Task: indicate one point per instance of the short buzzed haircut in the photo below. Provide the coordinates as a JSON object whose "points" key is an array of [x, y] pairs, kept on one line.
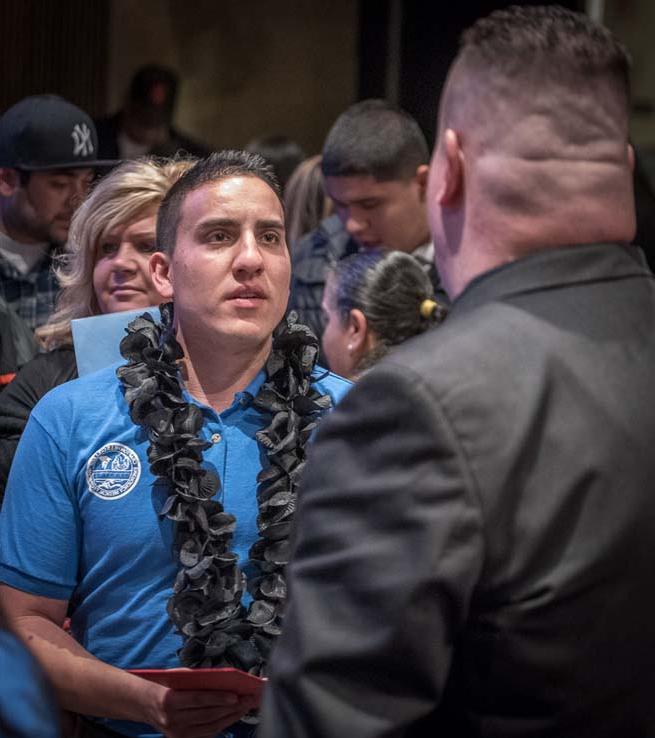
{"points": [[560, 43], [377, 139], [214, 168]]}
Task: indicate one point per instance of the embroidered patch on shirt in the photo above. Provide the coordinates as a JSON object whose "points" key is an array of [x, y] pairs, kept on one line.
{"points": [[112, 471]]}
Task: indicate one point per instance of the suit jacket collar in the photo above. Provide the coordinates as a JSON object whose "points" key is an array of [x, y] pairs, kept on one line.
{"points": [[553, 267]]}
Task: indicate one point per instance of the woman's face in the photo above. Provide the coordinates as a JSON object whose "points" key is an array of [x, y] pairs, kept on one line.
{"points": [[336, 336], [121, 275]]}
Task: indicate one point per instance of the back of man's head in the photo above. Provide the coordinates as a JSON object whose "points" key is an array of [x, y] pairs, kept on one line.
{"points": [[216, 167], [559, 74], [376, 139], [533, 136]]}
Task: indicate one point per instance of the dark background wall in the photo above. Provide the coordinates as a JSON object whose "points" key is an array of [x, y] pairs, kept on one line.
{"points": [[54, 46], [262, 66]]}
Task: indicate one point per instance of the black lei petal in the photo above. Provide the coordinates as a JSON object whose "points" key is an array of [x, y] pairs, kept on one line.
{"points": [[206, 602]]}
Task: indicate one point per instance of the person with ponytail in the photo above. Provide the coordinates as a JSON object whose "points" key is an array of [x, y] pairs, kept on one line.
{"points": [[373, 301]]}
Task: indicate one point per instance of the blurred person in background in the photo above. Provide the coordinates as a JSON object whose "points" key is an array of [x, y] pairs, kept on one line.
{"points": [[305, 200], [281, 152], [372, 302], [17, 344], [105, 270], [144, 125]]}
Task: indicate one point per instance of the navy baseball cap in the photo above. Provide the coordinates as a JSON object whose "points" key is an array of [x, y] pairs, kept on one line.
{"points": [[47, 132]]}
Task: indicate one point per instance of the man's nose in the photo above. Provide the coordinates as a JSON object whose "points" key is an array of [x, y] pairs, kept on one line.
{"points": [[354, 224], [248, 257], [79, 191]]}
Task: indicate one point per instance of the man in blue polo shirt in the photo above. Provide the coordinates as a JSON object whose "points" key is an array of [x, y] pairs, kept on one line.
{"points": [[134, 490]]}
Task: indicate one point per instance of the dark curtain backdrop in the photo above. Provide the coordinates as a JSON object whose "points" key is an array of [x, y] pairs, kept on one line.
{"points": [[429, 34], [57, 46]]}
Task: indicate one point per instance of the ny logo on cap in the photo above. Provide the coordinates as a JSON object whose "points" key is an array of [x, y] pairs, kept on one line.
{"points": [[82, 144]]}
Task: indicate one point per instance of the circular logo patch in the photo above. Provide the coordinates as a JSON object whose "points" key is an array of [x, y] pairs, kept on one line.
{"points": [[113, 471]]}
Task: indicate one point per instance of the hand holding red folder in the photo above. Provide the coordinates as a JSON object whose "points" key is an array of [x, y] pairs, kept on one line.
{"points": [[188, 702], [224, 680]]}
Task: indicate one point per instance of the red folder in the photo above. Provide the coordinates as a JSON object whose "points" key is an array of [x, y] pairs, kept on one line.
{"points": [[223, 680]]}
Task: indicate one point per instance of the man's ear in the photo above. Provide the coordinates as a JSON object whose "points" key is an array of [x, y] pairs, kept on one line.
{"points": [[452, 181], [631, 157], [421, 178], [9, 181], [162, 274]]}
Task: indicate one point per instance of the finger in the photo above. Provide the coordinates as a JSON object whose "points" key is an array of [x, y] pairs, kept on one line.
{"points": [[206, 715], [206, 730], [177, 699], [253, 700]]}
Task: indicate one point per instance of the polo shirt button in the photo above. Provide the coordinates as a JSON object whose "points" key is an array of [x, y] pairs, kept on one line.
{"points": [[216, 437]]}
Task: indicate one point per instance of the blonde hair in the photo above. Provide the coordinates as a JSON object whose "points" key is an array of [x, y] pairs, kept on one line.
{"points": [[128, 191], [305, 200]]}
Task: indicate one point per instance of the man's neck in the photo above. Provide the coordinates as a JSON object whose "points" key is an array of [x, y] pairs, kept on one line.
{"points": [[492, 235], [215, 374]]}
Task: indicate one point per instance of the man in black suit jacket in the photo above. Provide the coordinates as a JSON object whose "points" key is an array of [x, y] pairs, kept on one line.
{"points": [[476, 533]]}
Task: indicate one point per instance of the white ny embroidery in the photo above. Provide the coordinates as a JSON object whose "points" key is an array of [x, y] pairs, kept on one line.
{"points": [[82, 144]]}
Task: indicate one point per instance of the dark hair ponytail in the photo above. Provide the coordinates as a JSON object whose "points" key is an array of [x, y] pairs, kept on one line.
{"points": [[393, 292]]}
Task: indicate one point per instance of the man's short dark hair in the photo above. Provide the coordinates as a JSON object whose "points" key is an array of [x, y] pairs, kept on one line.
{"points": [[216, 167], [377, 139], [556, 41]]}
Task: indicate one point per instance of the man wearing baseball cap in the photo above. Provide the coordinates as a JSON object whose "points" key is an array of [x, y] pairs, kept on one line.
{"points": [[48, 153]]}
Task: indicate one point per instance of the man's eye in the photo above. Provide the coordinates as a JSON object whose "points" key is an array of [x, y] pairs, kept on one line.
{"points": [[147, 247], [59, 184], [369, 204], [271, 237], [218, 237]]}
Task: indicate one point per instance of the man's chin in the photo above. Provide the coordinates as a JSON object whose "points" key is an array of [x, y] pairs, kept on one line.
{"points": [[58, 236], [369, 245]]}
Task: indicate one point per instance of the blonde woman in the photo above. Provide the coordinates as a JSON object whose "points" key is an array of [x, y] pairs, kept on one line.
{"points": [[105, 270]]}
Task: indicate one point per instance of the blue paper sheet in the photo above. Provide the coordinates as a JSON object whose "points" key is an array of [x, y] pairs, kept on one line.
{"points": [[96, 339]]}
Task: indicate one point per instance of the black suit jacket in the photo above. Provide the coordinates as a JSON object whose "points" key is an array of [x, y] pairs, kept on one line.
{"points": [[476, 532]]}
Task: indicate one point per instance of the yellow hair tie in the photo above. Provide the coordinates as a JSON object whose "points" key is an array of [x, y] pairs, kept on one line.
{"points": [[427, 308]]}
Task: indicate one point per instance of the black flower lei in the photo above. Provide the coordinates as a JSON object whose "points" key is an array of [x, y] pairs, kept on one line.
{"points": [[206, 603]]}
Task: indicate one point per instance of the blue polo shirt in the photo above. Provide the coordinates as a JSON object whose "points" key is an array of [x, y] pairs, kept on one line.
{"points": [[81, 522]]}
